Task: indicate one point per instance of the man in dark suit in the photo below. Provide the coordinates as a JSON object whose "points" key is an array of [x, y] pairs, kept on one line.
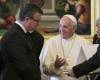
{"points": [[91, 64], [19, 52]]}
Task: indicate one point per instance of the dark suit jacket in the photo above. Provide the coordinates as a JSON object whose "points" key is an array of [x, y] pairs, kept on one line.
{"points": [[1, 61], [89, 65], [38, 41], [96, 40], [19, 56]]}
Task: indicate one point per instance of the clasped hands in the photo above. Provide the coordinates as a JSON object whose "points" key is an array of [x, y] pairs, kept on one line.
{"points": [[59, 62]]}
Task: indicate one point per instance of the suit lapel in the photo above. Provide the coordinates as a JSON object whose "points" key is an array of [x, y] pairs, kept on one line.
{"points": [[23, 34]]}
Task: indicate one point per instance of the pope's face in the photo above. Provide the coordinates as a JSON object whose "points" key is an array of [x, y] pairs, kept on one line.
{"points": [[65, 28]]}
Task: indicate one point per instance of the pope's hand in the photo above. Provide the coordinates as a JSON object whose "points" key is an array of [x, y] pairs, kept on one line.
{"points": [[59, 62]]}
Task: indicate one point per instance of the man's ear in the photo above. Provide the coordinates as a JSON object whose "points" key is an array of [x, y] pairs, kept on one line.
{"points": [[74, 29], [27, 19]]}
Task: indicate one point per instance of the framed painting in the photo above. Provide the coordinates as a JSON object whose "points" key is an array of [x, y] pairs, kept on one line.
{"points": [[94, 12], [86, 27], [8, 10], [81, 9], [84, 12]]}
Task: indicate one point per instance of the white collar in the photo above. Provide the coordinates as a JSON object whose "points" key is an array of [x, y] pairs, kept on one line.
{"points": [[17, 22], [69, 39], [31, 31]]}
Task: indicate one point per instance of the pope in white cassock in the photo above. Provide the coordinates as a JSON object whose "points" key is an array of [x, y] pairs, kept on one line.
{"points": [[59, 52]]}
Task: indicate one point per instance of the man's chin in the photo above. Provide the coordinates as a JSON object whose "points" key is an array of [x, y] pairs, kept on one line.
{"points": [[98, 36], [63, 37]]}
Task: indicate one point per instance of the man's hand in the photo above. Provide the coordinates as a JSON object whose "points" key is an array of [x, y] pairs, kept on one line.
{"points": [[59, 62], [70, 73]]}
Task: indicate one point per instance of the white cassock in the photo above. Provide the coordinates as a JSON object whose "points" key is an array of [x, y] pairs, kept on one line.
{"points": [[64, 48]]}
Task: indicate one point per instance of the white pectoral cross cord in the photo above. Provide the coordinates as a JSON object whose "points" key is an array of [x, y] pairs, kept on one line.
{"points": [[67, 46]]}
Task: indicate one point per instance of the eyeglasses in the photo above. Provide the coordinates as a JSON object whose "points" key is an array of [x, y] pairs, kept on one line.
{"points": [[35, 20]]}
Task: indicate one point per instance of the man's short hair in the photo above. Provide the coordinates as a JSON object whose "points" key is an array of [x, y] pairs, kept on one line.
{"points": [[29, 10], [98, 21]]}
